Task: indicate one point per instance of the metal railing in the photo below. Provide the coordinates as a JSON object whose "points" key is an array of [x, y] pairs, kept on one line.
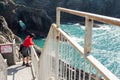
{"points": [[64, 59], [35, 63]]}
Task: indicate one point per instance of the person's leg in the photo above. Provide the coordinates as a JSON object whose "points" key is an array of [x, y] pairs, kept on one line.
{"points": [[23, 56], [27, 61], [28, 57], [23, 59]]}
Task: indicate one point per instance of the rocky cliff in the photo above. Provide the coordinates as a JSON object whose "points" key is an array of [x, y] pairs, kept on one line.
{"points": [[104, 7], [7, 36], [35, 19], [39, 14]]}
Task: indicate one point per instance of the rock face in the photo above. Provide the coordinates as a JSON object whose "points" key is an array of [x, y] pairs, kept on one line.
{"points": [[104, 7], [36, 20], [7, 36], [37, 14]]}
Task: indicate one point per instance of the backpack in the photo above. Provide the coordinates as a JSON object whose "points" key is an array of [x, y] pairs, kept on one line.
{"points": [[21, 47]]}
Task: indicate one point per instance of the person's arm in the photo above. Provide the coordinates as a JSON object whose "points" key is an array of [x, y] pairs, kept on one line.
{"points": [[31, 42]]}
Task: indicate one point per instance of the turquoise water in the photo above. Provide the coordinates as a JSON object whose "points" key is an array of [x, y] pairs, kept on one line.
{"points": [[105, 44], [39, 42]]}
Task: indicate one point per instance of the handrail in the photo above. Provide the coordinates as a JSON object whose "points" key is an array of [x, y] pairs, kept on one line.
{"points": [[97, 17], [107, 74], [75, 44], [89, 17], [56, 63], [50, 63], [35, 63]]}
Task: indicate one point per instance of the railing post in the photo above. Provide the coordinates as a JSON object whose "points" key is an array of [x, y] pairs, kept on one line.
{"points": [[57, 55], [14, 51], [88, 35], [57, 42], [87, 40], [58, 17]]}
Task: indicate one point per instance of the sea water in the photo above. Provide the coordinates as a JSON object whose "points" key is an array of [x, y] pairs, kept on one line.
{"points": [[105, 43]]}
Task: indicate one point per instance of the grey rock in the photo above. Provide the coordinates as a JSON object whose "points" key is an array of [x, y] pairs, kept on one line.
{"points": [[103, 7], [7, 36], [36, 20]]}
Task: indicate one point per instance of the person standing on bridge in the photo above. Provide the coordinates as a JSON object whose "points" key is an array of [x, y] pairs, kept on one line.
{"points": [[25, 50]]}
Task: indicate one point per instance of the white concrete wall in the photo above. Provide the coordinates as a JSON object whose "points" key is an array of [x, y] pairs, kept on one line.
{"points": [[3, 69]]}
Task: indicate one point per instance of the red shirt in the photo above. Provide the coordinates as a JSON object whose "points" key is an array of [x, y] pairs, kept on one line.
{"points": [[28, 41]]}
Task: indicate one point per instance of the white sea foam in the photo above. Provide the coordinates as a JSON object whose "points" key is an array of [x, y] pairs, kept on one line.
{"points": [[77, 24], [78, 39], [102, 27]]}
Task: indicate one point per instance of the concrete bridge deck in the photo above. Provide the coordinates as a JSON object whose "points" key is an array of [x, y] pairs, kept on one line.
{"points": [[19, 72]]}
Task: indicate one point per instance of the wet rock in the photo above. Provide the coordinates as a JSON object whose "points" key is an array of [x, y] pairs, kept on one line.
{"points": [[36, 20]]}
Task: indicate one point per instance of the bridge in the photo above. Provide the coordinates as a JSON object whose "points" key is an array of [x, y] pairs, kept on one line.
{"points": [[64, 59]]}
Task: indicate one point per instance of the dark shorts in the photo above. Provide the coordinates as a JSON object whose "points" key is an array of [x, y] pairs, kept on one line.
{"points": [[25, 51]]}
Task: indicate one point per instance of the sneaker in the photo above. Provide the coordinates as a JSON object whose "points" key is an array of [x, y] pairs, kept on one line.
{"points": [[27, 65], [23, 64]]}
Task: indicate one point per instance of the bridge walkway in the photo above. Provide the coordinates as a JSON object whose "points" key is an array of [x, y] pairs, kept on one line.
{"points": [[19, 72]]}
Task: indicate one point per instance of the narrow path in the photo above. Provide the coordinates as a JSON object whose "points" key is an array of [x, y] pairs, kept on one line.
{"points": [[19, 72]]}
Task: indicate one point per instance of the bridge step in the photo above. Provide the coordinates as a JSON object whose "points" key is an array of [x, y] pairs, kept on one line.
{"points": [[19, 72]]}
